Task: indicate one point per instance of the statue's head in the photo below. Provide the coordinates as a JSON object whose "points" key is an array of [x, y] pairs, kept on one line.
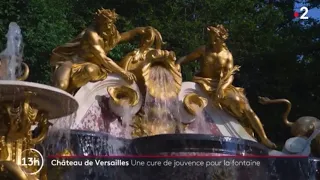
{"points": [[218, 32], [106, 17]]}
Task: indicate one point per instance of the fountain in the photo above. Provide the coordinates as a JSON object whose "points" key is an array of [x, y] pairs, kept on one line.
{"points": [[25, 106], [139, 108]]}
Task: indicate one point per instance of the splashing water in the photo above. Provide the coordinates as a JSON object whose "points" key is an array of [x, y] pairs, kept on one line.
{"points": [[161, 113], [126, 119], [200, 125], [59, 137], [11, 57]]}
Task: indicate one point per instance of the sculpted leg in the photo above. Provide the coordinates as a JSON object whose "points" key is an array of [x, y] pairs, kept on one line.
{"points": [[235, 107], [93, 71], [62, 76], [238, 106], [257, 126], [83, 73]]}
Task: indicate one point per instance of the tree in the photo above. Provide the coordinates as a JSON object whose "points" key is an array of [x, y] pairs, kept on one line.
{"points": [[278, 54]]}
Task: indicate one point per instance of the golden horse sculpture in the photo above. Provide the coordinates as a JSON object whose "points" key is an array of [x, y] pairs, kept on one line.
{"points": [[303, 126], [84, 59], [216, 77]]}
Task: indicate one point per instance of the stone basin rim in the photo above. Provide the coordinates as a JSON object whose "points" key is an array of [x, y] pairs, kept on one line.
{"points": [[169, 137], [33, 84], [96, 134], [73, 104], [204, 139], [193, 141]]}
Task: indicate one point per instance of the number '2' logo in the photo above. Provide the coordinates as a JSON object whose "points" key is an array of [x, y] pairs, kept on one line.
{"points": [[305, 12]]}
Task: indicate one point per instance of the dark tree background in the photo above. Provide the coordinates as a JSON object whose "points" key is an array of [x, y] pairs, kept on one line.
{"points": [[279, 55]]}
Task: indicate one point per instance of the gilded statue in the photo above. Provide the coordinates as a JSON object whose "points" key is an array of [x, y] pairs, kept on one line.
{"points": [[156, 57], [146, 127], [303, 126], [10, 170], [216, 77], [193, 103], [123, 95], [21, 118], [140, 61], [84, 59], [172, 83], [16, 136], [135, 60]]}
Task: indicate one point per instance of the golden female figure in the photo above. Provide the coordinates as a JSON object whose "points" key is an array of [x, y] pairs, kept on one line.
{"points": [[216, 77]]}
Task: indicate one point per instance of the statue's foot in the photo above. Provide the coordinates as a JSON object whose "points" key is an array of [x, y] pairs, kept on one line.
{"points": [[269, 143]]}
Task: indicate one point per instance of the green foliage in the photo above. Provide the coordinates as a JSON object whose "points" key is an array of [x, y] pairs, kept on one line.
{"points": [[43, 28], [264, 40], [120, 51]]}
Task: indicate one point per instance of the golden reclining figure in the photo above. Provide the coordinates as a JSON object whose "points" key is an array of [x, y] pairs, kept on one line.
{"points": [[216, 77], [84, 59]]}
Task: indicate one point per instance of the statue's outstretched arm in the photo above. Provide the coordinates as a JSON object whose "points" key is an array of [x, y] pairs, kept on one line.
{"points": [[129, 35], [100, 54], [192, 56]]}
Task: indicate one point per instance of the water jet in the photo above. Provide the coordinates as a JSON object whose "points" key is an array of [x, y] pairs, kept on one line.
{"points": [[23, 107]]}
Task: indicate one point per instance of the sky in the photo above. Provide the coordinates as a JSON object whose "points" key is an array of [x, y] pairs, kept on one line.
{"points": [[313, 13]]}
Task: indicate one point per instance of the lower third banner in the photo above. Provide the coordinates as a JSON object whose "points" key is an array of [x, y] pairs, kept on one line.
{"points": [[181, 167]]}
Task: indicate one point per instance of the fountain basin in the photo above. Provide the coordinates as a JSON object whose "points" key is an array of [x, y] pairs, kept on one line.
{"points": [[24, 105], [56, 102], [90, 143], [163, 144], [175, 147], [196, 143], [314, 168], [180, 148]]}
